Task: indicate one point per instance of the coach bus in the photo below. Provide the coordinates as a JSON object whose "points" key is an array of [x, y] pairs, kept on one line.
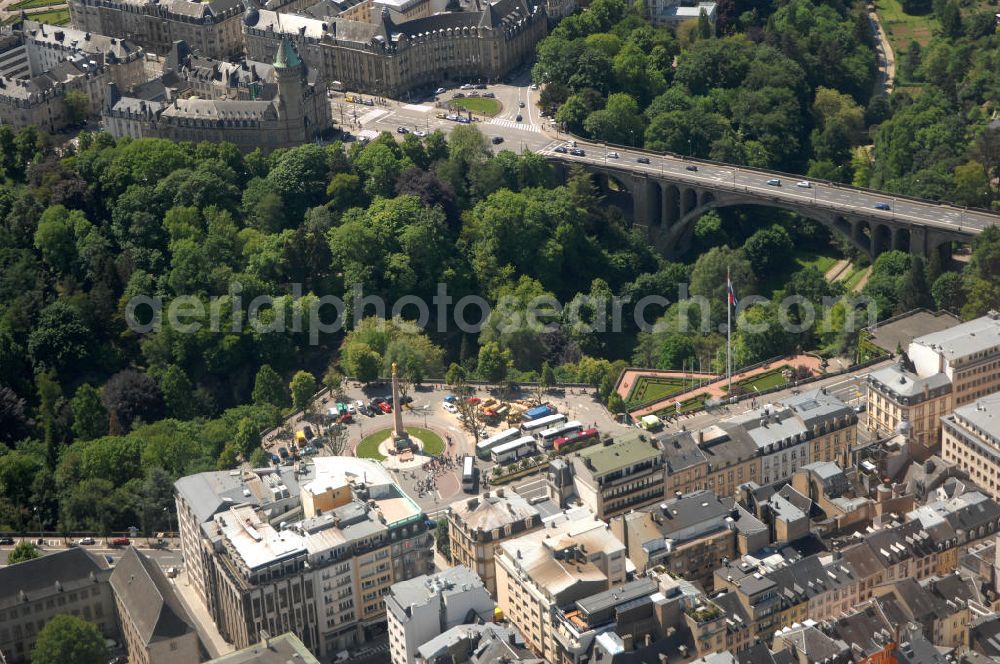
{"points": [[514, 450], [469, 474], [541, 424], [483, 447], [547, 436], [575, 441]]}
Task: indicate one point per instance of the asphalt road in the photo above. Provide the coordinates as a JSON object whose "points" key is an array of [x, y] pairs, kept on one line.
{"points": [[537, 134], [166, 558]]}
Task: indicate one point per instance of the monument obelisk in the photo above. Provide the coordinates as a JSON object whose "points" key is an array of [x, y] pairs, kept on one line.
{"points": [[400, 438]]}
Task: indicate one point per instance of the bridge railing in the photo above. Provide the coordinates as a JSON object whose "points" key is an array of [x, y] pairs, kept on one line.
{"points": [[773, 173]]}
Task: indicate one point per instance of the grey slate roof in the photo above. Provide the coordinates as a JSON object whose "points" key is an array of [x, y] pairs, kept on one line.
{"points": [[149, 599], [71, 569]]}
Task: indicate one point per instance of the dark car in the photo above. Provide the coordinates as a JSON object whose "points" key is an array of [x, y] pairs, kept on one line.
{"points": [[402, 130], [643, 160], [283, 451], [518, 118], [561, 149], [6, 540], [520, 104], [692, 167], [577, 152], [497, 140], [406, 398], [882, 206]]}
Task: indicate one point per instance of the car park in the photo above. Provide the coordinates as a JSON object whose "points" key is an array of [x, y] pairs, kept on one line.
{"points": [[691, 167], [882, 206], [612, 155], [774, 182], [805, 184], [643, 160]]}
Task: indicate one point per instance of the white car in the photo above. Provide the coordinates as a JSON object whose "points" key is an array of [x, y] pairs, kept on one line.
{"points": [[805, 184], [419, 133], [450, 407], [359, 404], [467, 86], [440, 91], [612, 155], [534, 86], [86, 541]]}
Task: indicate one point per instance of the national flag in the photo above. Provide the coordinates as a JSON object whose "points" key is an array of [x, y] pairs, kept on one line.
{"points": [[731, 293]]}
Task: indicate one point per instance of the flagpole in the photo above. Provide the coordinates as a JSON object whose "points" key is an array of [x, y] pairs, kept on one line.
{"points": [[729, 331]]}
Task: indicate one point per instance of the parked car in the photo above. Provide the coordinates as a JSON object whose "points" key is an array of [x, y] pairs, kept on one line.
{"points": [[406, 398], [283, 451], [120, 541], [882, 206], [774, 182], [450, 407], [480, 86], [805, 184], [577, 152], [466, 86], [473, 400], [612, 155], [86, 541], [6, 541], [402, 130], [352, 409], [451, 398], [463, 120], [497, 140], [459, 95], [690, 167], [440, 91], [534, 86], [419, 133], [561, 149], [309, 450], [489, 95], [518, 118], [643, 160], [520, 104], [274, 459], [307, 430], [385, 408], [346, 418]]}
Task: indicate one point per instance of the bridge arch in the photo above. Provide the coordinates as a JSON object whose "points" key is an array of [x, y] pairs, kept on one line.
{"points": [[901, 239], [881, 240]]}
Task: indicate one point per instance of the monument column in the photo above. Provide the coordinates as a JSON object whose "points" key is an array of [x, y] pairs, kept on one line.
{"points": [[399, 435]]}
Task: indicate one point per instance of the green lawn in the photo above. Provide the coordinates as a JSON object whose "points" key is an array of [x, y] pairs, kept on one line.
{"points": [[368, 447], [34, 4], [55, 17], [766, 380], [647, 388], [901, 28], [483, 105], [693, 403], [776, 280]]}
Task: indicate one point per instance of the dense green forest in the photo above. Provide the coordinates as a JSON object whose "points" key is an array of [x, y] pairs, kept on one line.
{"points": [[787, 85]]}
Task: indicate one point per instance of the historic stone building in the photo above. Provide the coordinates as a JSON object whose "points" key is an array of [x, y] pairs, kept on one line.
{"points": [[211, 28], [381, 56], [40, 63], [298, 113]]}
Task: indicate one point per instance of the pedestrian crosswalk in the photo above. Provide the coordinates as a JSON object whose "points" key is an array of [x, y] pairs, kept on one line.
{"points": [[512, 124]]}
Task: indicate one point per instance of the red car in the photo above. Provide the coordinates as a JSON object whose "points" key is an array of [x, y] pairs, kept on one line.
{"points": [[345, 418], [384, 407], [120, 541], [473, 400]]}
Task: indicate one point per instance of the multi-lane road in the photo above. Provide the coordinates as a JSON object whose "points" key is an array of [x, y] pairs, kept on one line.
{"points": [[538, 134]]}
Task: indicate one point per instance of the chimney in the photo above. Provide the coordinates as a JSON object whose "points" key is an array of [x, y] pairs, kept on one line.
{"points": [[701, 436]]}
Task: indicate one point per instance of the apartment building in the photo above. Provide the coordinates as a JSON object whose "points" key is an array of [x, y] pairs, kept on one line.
{"points": [[690, 536], [35, 591], [321, 571], [571, 557], [155, 626], [939, 372], [477, 525], [425, 606], [619, 475], [970, 439], [490, 643], [279, 649]]}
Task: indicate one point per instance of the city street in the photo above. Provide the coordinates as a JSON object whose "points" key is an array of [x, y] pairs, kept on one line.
{"points": [[166, 557]]}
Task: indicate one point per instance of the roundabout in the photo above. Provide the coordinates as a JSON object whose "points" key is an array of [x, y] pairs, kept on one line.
{"points": [[380, 447]]}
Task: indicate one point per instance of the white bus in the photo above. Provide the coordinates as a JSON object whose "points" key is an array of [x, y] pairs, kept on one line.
{"points": [[550, 435], [469, 474], [513, 450], [543, 423], [483, 447]]}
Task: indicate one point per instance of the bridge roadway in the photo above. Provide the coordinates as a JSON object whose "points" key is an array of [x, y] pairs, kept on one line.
{"points": [[717, 185]]}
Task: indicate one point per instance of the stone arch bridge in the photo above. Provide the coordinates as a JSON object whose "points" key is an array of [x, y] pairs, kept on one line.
{"points": [[668, 193]]}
